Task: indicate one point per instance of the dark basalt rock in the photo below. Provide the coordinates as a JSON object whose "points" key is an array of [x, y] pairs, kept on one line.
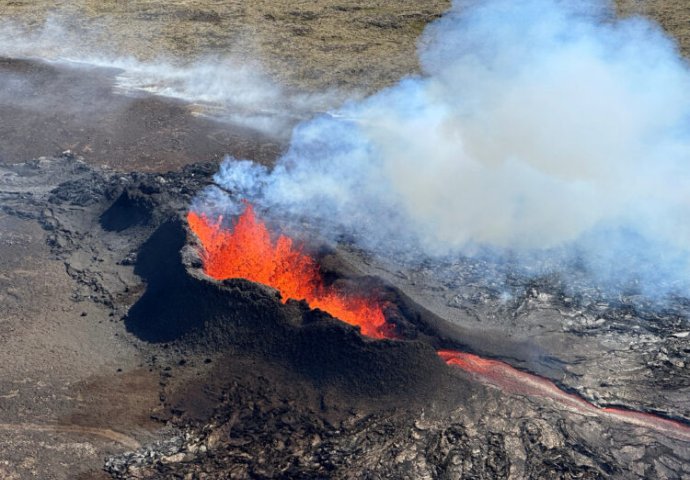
{"points": [[251, 387], [131, 208]]}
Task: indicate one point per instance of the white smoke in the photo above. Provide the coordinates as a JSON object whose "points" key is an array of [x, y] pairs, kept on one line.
{"points": [[539, 128], [230, 88], [230, 85]]}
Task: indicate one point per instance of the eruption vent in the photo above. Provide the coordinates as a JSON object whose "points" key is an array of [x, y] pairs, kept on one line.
{"points": [[247, 251]]}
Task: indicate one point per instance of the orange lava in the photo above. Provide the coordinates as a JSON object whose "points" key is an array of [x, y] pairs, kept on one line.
{"points": [[511, 379], [247, 251]]}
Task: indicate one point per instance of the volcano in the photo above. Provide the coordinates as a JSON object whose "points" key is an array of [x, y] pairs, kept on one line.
{"points": [[165, 318], [246, 251], [253, 381]]}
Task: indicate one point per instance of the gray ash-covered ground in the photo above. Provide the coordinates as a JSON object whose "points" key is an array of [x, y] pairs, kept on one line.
{"points": [[222, 380], [613, 351], [120, 359], [47, 108]]}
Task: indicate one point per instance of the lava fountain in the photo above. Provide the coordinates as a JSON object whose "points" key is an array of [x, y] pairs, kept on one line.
{"points": [[247, 251]]}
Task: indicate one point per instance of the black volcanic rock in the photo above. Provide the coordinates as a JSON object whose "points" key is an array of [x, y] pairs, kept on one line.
{"points": [[251, 387], [131, 208]]}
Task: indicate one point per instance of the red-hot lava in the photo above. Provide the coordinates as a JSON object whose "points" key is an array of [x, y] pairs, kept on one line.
{"points": [[510, 379], [247, 251]]}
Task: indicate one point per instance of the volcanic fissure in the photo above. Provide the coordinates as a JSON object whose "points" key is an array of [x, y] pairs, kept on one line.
{"points": [[247, 250]]}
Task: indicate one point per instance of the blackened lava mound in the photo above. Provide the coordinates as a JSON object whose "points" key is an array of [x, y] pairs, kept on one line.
{"points": [[294, 393], [183, 305]]}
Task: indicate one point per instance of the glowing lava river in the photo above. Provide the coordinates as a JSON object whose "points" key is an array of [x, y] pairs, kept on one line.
{"points": [[247, 251]]}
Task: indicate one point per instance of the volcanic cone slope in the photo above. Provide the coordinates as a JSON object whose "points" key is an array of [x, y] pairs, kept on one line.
{"points": [[246, 385]]}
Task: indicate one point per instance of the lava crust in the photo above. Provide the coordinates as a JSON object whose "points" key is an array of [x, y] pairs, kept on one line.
{"points": [[247, 386]]}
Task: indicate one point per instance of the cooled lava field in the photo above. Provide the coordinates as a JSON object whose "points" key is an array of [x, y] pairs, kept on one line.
{"points": [[163, 316], [248, 386]]}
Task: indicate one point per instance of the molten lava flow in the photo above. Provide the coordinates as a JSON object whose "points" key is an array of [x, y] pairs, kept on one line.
{"points": [[247, 251], [513, 380]]}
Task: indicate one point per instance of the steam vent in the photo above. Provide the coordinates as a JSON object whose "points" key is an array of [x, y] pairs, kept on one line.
{"points": [[345, 240]]}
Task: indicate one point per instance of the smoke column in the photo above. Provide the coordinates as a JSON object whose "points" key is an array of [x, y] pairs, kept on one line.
{"points": [[548, 132]]}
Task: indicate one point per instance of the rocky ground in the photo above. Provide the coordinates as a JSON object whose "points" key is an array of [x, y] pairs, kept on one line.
{"points": [[47, 109], [121, 360], [223, 379]]}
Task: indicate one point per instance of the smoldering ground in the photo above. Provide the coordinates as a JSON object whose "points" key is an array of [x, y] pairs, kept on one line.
{"points": [[231, 86]]}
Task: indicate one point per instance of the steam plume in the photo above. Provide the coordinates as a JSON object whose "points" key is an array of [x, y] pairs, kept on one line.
{"points": [[545, 130]]}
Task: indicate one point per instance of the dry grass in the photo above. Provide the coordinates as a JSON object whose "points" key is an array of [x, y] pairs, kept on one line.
{"points": [[330, 43], [673, 15], [355, 44]]}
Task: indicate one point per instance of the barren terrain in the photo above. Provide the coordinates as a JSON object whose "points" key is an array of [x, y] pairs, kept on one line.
{"points": [[121, 360]]}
